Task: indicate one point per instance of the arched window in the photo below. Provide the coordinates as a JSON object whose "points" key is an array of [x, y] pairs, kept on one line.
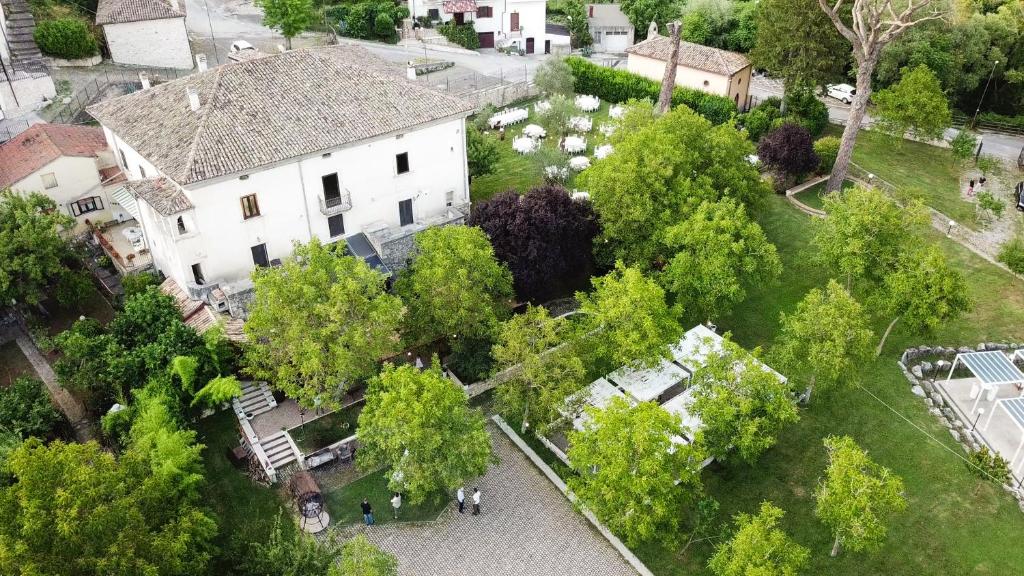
{"points": [[181, 225]]}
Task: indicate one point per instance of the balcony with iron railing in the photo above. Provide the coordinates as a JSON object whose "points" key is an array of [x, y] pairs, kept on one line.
{"points": [[333, 205]]}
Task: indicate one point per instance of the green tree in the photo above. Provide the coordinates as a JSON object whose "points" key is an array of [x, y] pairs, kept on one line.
{"points": [[720, 253], [579, 28], [359, 557], [144, 317], [915, 105], [963, 146], [455, 285], [924, 291], [796, 41], [289, 17], [549, 374], [630, 322], [319, 323], [856, 497], [556, 118], [292, 553], [759, 547], [26, 409], [660, 173], [865, 234], [1011, 253], [642, 12], [419, 426], [826, 338], [741, 405], [554, 76], [31, 247], [481, 152], [638, 490]]}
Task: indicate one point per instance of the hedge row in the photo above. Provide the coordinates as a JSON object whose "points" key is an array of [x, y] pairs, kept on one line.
{"points": [[618, 86], [464, 35], [68, 38]]}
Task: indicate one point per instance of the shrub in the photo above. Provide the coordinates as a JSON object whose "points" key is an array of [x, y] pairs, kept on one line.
{"points": [[989, 203], [136, 283], [554, 77], [67, 38], [481, 152], [1012, 121], [464, 35], [989, 465], [1012, 254], [619, 86], [788, 150], [759, 121], [26, 409], [471, 359], [810, 112], [827, 149], [963, 145]]}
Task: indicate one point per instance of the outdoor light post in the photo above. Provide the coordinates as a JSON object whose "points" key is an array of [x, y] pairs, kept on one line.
{"points": [[949, 229], [976, 418]]}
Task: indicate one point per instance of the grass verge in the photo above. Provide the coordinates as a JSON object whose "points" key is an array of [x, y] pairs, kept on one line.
{"points": [[343, 503]]}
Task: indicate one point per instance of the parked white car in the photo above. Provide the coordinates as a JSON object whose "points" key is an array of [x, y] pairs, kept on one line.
{"points": [[240, 45], [842, 92]]}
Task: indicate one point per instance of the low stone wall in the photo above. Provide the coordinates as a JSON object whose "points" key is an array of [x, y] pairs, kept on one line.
{"points": [[500, 96], [76, 63], [428, 67]]}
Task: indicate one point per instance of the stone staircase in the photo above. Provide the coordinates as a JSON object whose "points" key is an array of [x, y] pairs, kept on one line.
{"points": [[256, 398], [279, 450], [25, 54]]}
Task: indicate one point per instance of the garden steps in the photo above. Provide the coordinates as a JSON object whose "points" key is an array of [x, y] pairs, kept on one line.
{"points": [[25, 54], [256, 398], [279, 450]]}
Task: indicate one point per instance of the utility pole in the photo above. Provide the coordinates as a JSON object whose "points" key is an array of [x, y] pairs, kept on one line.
{"points": [[983, 92]]}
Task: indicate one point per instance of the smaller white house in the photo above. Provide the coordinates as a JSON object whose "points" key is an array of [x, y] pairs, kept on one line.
{"points": [[498, 23], [146, 32], [72, 165], [702, 67], [610, 28]]}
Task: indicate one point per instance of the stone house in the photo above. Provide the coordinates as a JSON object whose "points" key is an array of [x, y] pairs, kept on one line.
{"points": [[231, 166], [709, 69], [146, 32]]}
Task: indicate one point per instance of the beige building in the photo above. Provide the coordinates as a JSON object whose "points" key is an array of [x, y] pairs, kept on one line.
{"points": [[701, 67]]}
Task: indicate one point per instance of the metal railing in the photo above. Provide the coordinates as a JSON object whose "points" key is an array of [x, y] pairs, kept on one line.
{"points": [[962, 120], [336, 204]]}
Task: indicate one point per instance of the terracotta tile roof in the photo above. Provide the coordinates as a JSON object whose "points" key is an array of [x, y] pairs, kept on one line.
{"points": [[200, 316], [453, 6], [266, 110], [122, 11], [692, 55], [163, 195], [44, 143], [112, 175]]}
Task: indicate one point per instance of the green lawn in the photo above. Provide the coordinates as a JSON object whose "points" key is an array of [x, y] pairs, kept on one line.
{"points": [[520, 172], [920, 170], [245, 511], [343, 503], [13, 364], [327, 429], [955, 523], [814, 196]]}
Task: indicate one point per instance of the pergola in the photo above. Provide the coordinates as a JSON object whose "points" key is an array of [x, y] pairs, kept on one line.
{"points": [[992, 368], [1014, 408]]}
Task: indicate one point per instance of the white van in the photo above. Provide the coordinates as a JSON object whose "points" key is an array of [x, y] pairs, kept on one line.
{"points": [[842, 92]]}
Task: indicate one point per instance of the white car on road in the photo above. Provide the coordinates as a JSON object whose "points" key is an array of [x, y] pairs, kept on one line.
{"points": [[241, 45], [842, 92]]}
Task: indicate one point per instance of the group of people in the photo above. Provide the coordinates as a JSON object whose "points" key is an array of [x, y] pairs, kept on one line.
{"points": [[971, 189], [396, 503]]}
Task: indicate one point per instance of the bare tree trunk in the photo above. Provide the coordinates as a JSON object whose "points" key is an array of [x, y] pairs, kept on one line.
{"points": [[835, 547], [810, 390], [878, 351], [858, 108], [668, 81]]}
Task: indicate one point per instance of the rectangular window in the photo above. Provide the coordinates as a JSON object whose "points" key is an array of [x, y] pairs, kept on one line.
{"points": [[142, 171], [86, 205], [402, 162], [484, 12], [49, 180], [405, 212], [250, 207], [336, 225], [434, 14], [197, 273], [449, 197], [124, 161], [332, 190], [259, 255], [514, 21]]}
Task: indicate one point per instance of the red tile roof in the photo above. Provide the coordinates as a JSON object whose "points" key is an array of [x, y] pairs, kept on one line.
{"points": [[44, 143]]}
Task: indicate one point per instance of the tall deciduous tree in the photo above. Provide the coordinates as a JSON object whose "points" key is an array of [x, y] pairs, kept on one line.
{"points": [[857, 496], [720, 253], [481, 152], [875, 24], [319, 323], [454, 285], [289, 17], [31, 247], [824, 340], [914, 105], [549, 371], [759, 547], [291, 553], [640, 487], [554, 76], [796, 41], [925, 291], [544, 236], [630, 320], [579, 28], [359, 557], [26, 409], [642, 12], [742, 406], [668, 80], [419, 426]]}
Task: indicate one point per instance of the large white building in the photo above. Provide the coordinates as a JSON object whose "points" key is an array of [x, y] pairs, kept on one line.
{"points": [[498, 23], [70, 164], [146, 32], [231, 166]]}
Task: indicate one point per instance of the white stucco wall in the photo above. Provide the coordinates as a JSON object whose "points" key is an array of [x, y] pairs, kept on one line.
{"points": [[159, 43], [532, 19], [77, 178], [691, 77], [220, 239]]}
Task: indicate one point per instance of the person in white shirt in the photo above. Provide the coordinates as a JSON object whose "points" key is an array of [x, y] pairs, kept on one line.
{"points": [[396, 503], [460, 495], [476, 501]]}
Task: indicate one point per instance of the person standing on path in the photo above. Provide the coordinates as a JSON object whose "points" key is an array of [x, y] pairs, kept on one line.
{"points": [[460, 495], [476, 501], [367, 512], [396, 503]]}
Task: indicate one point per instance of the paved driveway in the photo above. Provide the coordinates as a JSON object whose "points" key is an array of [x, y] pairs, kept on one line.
{"points": [[527, 528]]}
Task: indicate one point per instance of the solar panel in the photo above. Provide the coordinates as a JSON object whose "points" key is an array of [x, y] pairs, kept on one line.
{"points": [[1015, 408], [992, 367]]}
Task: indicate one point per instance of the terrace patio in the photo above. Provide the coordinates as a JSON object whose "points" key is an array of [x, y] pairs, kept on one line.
{"points": [[117, 243]]}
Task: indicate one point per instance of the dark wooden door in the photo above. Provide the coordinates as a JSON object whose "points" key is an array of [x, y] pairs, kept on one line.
{"points": [[514, 21], [486, 39], [547, 46], [460, 18], [529, 45]]}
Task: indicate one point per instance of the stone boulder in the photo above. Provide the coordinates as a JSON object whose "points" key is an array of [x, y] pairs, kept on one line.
{"points": [[955, 435], [916, 371], [917, 391]]}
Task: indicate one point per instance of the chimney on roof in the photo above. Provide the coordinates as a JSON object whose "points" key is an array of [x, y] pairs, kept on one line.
{"points": [[410, 71], [201, 62], [144, 78], [652, 30], [193, 99]]}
